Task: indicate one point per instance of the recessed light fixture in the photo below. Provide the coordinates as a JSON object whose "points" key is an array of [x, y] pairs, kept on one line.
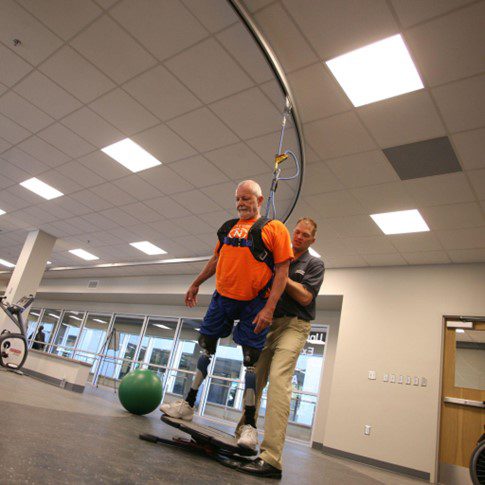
{"points": [[159, 325], [148, 248], [377, 71], [2, 212], [131, 155], [76, 318], [99, 321], [459, 330], [53, 315], [313, 253], [6, 263], [49, 262], [80, 253], [400, 222], [41, 188]]}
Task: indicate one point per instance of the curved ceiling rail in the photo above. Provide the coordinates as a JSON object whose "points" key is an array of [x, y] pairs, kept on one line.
{"points": [[275, 65]]}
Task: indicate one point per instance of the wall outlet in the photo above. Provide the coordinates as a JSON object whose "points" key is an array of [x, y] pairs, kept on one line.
{"points": [[372, 375], [367, 429], [385, 378], [400, 380], [424, 382], [392, 378], [408, 380], [415, 381]]}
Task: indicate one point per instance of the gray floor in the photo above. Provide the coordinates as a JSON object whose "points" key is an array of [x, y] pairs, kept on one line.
{"points": [[49, 435]]}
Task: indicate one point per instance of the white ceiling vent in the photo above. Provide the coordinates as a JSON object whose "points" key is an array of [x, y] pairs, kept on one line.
{"points": [[93, 283]]}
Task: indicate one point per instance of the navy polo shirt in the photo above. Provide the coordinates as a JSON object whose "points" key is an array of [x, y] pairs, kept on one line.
{"points": [[307, 270]]}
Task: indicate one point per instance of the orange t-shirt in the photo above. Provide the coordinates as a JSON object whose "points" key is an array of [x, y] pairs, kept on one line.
{"points": [[239, 275]]}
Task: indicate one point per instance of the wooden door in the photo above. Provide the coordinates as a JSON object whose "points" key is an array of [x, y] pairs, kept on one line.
{"points": [[463, 395]]}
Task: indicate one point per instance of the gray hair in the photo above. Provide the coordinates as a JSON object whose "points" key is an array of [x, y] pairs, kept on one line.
{"points": [[253, 186]]}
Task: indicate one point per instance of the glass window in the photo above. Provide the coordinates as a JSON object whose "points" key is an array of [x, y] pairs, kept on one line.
{"points": [[93, 336], [222, 400], [31, 323], [178, 385], [187, 350], [157, 343], [67, 334], [229, 359], [49, 320]]}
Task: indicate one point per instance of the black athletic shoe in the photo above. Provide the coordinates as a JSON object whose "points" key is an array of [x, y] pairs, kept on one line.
{"points": [[259, 468]]}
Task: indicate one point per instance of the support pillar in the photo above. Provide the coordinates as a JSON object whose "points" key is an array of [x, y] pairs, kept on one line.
{"points": [[28, 271]]}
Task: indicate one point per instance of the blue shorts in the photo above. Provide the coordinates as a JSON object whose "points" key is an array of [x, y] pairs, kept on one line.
{"points": [[219, 320]]}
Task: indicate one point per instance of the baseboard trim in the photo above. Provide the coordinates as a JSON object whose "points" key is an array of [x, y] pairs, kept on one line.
{"points": [[69, 386], [370, 461]]}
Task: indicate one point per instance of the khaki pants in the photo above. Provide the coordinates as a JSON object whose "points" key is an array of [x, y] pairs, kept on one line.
{"points": [[285, 340]]}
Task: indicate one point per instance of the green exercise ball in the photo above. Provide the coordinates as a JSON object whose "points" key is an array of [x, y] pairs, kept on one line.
{"points": [[140, 392]]}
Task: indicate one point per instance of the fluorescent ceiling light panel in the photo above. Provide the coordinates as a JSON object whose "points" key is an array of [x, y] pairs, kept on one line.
{"points": [[148, 248], [459, 330], [313, 253], [2, 212], [98, 320], [377, 71], [41, 188], [80, 253], [400, 222], [53, 315], [7, 264], [131, 155], [76, 318], [159, 325]]}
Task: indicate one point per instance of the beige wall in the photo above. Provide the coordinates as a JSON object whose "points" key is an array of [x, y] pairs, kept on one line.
{"points": [[391, 322]]}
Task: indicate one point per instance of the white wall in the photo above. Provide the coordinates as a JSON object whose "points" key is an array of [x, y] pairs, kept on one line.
{"points": [[391, 322]]}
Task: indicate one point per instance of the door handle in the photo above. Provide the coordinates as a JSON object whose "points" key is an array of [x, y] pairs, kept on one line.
{"points": [[465, 402]]}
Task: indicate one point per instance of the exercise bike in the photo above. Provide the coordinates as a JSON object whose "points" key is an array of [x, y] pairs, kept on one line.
{"points": [[13, 345], [477, 462]]}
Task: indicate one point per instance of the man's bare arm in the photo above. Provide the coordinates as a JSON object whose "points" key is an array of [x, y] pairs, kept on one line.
{"points": [[265, 316], [208, 271], [298, 292]]}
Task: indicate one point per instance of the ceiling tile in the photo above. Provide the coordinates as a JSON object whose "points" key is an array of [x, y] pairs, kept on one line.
{"points": [[79, 77], [11, 131], [166, 180], [199, 171], [426, 257], [64, 17], [440, 189], [43, 151], [467, 255], [266, 146], [361, 169], [102, 222], [24, 161], [337, 136], [23, 112], [213, 14], [248, 113], [470, 147], [332, 31], [370, 245], [72, 205], [466, 238], [104, 166], [223, 194], [318, 179], [164, 144], [55, 209], [209, 72], [391, 259], [123, 112], [164, 28], [113, 194], [75, 170], [477, 179], [384, 197], [167, 229], [12, 67], [453, 216], [195, 225], [409, 243], [91, 200], [237, 161], [355, 226], [343, 260], [120, 217], [65, 184], [196, 202], [285, 38], [335, 204], [48, 96], [142, 212], [317, 94], [112, 50], [214, 220], [161, 92], [242, 47], [450, 47], [137, 187], [411, 12], [167, 207], [92, 127], [403, 119], [462, 103], [4, 145], [203, 130], [37, 41], [65, 140]]}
